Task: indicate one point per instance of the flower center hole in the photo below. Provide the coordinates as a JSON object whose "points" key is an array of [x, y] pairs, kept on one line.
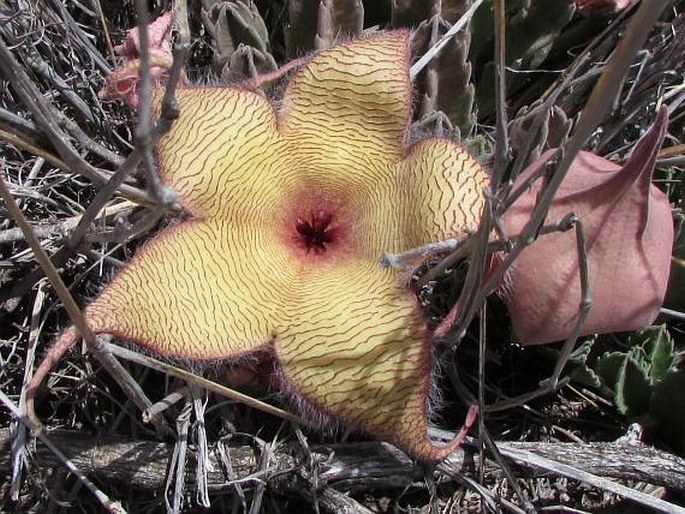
{"points": [[315, 231]]}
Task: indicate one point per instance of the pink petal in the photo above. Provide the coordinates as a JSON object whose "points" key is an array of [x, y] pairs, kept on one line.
{"points": [[122, 83], [629, 234], [159, 36]]}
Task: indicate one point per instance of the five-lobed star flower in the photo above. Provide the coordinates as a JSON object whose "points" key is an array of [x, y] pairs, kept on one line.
{"points": [[291, 209]]}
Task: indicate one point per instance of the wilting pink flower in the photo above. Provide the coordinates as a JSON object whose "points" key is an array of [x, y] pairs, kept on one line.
{"points": [[629, 235], [124, 81], [159, 38], [595, 5]]}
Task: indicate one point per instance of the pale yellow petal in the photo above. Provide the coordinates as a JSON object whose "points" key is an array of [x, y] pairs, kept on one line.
{"points": [[355, 348], [224, 154], [203, 289], [438, 193], [351, 104]]}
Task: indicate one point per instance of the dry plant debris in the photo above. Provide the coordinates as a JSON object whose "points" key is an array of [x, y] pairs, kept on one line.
{"points": [[55, 131]]}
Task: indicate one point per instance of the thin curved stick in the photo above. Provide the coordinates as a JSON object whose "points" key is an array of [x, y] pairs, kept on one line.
{"points": [[108, 505]]}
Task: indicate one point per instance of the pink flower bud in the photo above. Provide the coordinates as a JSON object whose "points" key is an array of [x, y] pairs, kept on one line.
{"points": [[629, 236]]}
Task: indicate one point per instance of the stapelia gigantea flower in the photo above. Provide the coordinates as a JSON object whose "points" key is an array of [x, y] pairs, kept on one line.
{"points": [[291, 210]]}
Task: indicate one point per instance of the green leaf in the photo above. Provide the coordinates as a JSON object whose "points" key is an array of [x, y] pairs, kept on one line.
{"points": [[633, 391], [638, 354], [582, 351], [644, 336], [661, 354], [584, 375], [608, 367]]}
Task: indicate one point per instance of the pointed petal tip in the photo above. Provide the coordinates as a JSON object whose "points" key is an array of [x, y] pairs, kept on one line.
{"points": [[427, 450], [641, 161], [64, 342]]}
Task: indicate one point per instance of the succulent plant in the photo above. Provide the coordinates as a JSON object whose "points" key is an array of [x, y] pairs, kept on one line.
{"points": [[445, 85], [338, 20], [553, 133], [317, 24], [532, 27], [410, 13], [319, 198], [270, 258], [646, 385], [241, 39]]}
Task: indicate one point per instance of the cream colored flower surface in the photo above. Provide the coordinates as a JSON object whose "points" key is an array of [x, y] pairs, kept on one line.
{"points": [[291, 209]]}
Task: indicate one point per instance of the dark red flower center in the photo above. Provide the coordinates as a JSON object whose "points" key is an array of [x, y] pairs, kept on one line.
{"points": [[314, 231]]}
